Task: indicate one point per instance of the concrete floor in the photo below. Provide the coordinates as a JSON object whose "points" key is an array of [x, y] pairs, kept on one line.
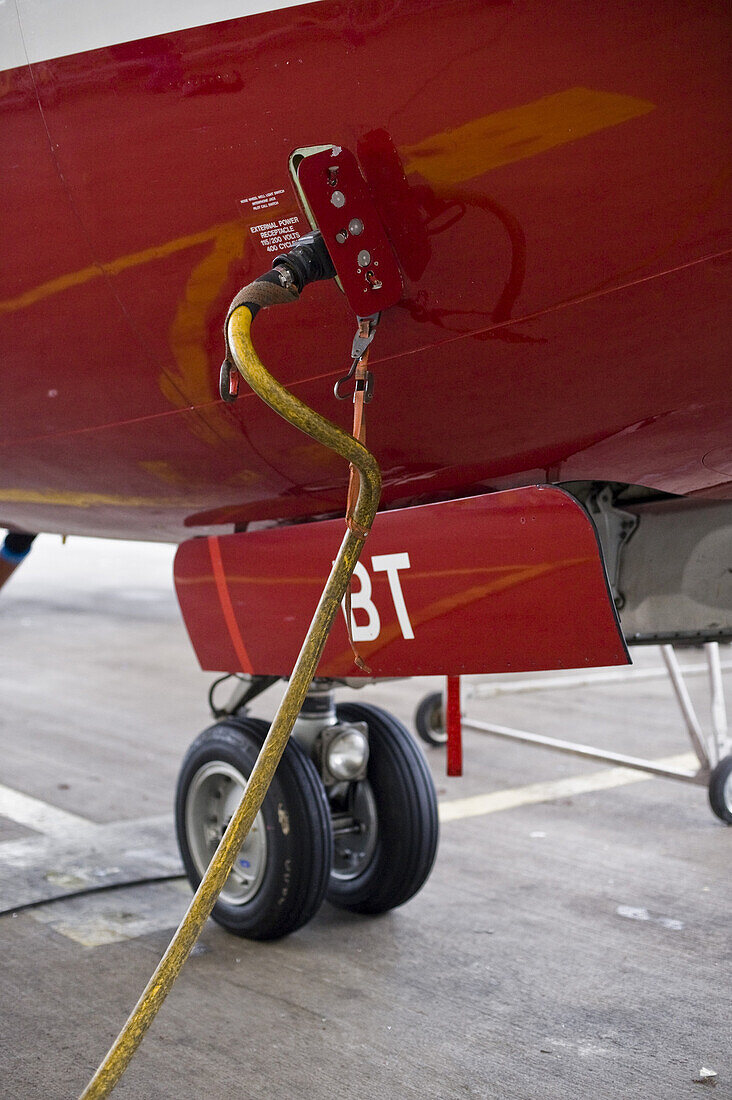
{"points": [[574, 939]]}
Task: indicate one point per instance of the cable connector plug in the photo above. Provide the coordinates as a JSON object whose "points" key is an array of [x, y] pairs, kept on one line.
{"points": [[308, 261]]}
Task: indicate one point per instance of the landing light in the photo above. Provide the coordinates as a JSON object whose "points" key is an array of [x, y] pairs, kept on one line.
{"points": [[347, 754]]}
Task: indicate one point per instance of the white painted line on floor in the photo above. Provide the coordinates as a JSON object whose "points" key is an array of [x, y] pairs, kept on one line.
{"points": [[95, 920], [479, 804], [45, 868], [38, 815]]}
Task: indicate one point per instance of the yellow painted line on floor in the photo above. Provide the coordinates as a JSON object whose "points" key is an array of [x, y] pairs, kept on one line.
{"points": [[480, 804]]}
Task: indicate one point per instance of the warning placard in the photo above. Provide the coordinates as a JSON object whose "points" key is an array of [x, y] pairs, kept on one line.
{"points": [[279, 235], [264, 201]]}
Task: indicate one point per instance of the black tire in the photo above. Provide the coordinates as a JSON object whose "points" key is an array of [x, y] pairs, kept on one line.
{"points": [[429, 719], [287, 855], [401, 794], [720, 790]]}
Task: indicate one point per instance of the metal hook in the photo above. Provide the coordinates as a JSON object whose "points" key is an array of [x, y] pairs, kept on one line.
{"points": [[362, 340], [228, 382], [337, 388]]}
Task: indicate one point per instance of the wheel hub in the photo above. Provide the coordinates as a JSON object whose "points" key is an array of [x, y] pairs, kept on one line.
{"points": [[213, 796], [355, 828]]}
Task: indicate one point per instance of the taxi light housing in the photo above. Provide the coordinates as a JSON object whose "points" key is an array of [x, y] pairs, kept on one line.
{"points": [[346, 753]]}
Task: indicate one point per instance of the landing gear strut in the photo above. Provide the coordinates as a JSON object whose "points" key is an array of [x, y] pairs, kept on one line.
{"points": [[351, 815]]}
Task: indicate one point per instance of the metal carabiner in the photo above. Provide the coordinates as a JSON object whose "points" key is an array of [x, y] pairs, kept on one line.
{"points": [[337, 388], [361, 342], [228, 382]]}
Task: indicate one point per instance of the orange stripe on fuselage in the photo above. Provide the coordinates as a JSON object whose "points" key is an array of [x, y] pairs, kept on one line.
{"points": [[113, 267], [518, 133], [227, 607], [450, 157]]}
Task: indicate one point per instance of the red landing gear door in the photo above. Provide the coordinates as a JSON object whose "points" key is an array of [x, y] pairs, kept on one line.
{"points": [[508, 582]]}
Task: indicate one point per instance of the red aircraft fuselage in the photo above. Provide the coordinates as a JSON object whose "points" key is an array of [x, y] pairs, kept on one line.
{"points": [[553, 179]]}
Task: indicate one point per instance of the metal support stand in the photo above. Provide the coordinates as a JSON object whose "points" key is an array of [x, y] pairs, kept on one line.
{"points": [[712, 749], [709, 750]]}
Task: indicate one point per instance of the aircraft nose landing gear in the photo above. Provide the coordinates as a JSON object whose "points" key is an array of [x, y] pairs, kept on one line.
{"points": [[366, 843]]}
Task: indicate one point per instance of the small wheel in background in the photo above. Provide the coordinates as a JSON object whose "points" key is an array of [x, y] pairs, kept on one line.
{"points": [[429, 719], [282, 870], [385, 826], [720, 790]]}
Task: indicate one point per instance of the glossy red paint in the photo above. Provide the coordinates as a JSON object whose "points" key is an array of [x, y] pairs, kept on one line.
{"points": [[504, 573], [554, 179]]}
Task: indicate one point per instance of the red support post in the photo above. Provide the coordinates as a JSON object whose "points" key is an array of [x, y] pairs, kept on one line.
{"points": [[454, 727]]}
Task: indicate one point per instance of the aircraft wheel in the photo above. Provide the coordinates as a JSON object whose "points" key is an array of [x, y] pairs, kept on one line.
{"points": [[385, 827], [279, 879], [429, 719], [720, 790]]}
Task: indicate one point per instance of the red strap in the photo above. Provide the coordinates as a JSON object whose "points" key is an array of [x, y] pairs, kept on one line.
{"points": [[359, 433], [354, 482]]}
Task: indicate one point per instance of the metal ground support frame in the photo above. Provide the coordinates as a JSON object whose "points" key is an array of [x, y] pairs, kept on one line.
{"points": [[711, 749]]}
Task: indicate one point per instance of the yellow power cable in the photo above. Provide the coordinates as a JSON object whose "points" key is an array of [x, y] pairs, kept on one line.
{"points": [[307, 420]]}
